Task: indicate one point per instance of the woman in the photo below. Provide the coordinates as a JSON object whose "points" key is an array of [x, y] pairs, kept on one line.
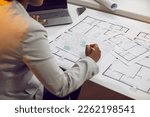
{"points": [[23, 50]]}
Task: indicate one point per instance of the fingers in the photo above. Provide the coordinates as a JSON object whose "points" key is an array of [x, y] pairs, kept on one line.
{"points": [[91, 46], [94, 47], [39, 19], [44, 21], [36, 17], [93, 51], [88, 50]]}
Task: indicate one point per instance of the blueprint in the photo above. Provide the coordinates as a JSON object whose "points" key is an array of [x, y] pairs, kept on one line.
{"points": [[129, 66], [136, 76]]}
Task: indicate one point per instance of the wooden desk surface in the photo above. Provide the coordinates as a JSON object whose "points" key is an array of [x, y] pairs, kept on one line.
{"points": [[93, 91]]}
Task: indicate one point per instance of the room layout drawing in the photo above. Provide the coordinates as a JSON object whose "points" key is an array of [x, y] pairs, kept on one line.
{"points": [[70, 45], [136, 76], [144, 39], [92, 30], [130, 48], [127, 49]]}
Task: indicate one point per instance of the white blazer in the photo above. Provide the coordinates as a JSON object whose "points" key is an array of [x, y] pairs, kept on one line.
{"points": [[24, 52]]}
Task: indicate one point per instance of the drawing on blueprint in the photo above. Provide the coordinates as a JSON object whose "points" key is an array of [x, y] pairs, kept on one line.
{"points": [[127, 48], [70, 45], [135, 76], [91, 25], [90, 30], [144, 39]]}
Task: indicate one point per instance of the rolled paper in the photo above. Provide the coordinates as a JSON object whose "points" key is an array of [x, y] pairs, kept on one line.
{"points": [[108, 3]]}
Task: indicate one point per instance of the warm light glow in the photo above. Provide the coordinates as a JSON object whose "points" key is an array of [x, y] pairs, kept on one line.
{"points": [[3, 2], [13, 29]]}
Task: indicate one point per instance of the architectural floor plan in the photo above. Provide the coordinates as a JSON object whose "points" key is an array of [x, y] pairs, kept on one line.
{"points": [[136, 76], [131, 65]]}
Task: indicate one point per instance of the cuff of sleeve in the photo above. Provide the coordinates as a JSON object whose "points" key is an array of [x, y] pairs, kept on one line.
{"points": [[93, 65]]}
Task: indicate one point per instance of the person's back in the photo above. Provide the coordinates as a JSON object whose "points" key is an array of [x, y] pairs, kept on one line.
{"points": [[23, 50], [14, 74]]}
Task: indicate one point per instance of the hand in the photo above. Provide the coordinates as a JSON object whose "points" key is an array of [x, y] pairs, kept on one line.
{"points": [[39, 19], [93, 51]]}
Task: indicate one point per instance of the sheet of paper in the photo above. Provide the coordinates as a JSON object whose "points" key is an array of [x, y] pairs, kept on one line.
{"points": [[125, 62]]}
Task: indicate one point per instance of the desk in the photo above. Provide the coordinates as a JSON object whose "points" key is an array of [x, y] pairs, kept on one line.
{"points": [[93, 91], [136, 9], [100, 92]]}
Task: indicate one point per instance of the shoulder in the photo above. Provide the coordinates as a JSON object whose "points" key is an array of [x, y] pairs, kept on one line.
{"points": [[32, 25], [35, 27]]}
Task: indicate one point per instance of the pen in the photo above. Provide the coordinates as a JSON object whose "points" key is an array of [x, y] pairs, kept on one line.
{"points": [[92, 47]]}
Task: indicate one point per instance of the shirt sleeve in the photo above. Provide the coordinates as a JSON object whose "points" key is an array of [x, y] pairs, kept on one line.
{"points": [[39, 59]]}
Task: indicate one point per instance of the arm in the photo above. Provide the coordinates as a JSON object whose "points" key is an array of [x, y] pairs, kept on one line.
{"points": [[38, 57]]}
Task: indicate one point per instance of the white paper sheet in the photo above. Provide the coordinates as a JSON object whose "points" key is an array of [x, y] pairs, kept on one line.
{"points": [[125, 61]]}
